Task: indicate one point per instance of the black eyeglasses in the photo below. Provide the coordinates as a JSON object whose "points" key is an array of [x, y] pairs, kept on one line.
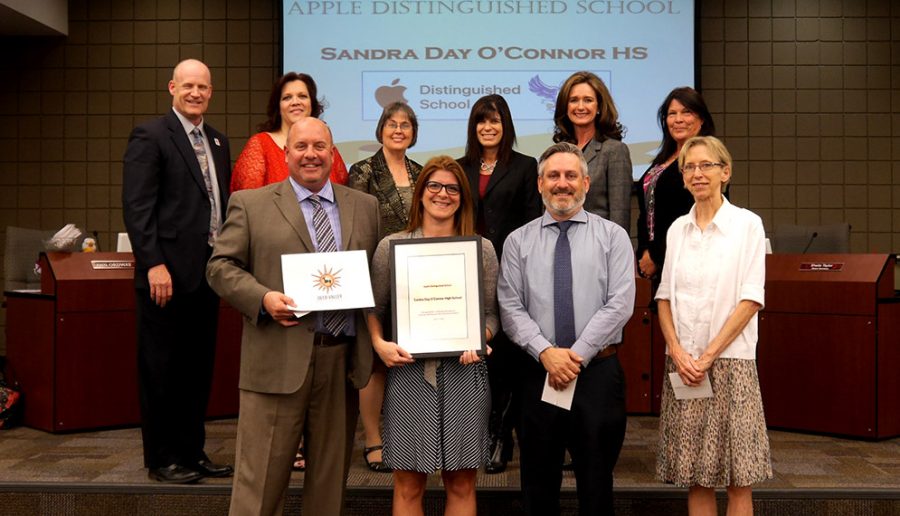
{"points": [[435, 187]]}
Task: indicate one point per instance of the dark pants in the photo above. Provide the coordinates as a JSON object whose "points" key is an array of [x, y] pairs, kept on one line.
{"points": [[593, 432], [504, 369], [176, 350]]}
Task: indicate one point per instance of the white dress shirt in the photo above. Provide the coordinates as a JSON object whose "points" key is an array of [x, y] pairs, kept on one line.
{"points": [[708, 272]]}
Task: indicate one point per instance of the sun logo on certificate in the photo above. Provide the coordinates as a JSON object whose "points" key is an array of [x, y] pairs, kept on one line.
{"points": [[326, 279]]}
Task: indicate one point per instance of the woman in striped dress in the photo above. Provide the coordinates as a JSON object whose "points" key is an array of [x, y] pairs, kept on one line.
{"points": [[435, 410]]}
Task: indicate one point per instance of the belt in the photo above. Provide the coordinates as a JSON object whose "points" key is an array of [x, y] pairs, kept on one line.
{"points": [[607, 351], [324, 340]]}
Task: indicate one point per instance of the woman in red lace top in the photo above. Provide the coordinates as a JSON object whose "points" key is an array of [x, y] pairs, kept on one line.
{"points": [[262, 161]]}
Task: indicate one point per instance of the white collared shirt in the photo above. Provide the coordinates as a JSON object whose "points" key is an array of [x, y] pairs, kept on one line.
{"points": [[708, 272]]}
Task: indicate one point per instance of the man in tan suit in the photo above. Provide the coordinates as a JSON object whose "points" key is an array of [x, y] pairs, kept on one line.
{"points": [[298, 376]]}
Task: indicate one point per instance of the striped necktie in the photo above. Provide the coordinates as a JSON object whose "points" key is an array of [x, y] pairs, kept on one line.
{"points": [[334, 320]]}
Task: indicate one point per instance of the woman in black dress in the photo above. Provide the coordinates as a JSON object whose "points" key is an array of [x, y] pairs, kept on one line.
{"points": [[504, 188]]}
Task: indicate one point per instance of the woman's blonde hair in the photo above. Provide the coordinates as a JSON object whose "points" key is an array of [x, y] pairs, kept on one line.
{"points": [[715, 147]]}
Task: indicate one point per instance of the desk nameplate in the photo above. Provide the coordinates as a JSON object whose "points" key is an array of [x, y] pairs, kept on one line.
{"points": [[821, 266], [105, 265]]}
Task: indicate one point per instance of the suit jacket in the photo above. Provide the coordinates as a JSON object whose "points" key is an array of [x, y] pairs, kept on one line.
{"points": [[510, 200], [609, 165], [164, 199], [262, 224]]}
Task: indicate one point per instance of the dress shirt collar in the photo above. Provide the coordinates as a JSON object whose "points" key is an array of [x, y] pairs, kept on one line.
{"points": [[722, 220], [187, 124], [548, 220], [302, 193]]}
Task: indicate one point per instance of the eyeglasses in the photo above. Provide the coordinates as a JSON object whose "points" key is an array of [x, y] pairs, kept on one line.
{"points": [[435, 187], [706, 166], [392, 126]]}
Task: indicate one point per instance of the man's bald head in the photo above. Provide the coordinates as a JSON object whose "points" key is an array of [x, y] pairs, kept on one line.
{"points": [[308, 153], [191, 89]]}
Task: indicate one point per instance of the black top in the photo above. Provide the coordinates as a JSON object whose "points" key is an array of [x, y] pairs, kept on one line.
{"points": [[510, 200], [672, 201]]}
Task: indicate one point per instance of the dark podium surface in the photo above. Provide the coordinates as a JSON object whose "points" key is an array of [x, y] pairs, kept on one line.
{"points": [[635, 352], [72, 346], [829, 344]]}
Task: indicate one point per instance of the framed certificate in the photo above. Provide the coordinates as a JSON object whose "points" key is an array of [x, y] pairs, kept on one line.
{"points": [[436, 301]]}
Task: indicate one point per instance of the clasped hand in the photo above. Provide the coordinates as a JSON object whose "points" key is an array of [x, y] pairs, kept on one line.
{"points": [[562, 364], [646, 266], [691, 370]]}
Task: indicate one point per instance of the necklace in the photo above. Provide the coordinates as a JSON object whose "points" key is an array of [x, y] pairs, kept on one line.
{"points": [[399, 197], [487, 169]]}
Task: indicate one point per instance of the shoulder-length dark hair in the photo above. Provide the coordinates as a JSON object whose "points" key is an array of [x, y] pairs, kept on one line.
{"points": [[693, 101], [481, 110], [273, 108], [464, 218], [607, 122]]}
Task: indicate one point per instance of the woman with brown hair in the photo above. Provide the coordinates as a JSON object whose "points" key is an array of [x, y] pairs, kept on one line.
{"points": [[586, 116], [435, 410]]}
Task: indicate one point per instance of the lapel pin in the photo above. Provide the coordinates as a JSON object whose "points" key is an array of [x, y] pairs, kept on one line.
{"points": [[217, 142]]}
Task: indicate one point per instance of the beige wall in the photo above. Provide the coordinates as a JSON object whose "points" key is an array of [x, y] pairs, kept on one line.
{"points": [[800, 91]]}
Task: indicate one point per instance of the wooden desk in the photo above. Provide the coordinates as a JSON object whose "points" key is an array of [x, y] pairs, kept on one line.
{"points": [[829, 344], [72, 347]]}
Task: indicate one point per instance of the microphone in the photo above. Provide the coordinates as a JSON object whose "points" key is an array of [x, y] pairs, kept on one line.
{"points": [[811, 239]]}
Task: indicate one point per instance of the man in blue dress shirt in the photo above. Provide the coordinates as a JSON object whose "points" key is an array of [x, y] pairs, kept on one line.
{"points": [[566, 290]]}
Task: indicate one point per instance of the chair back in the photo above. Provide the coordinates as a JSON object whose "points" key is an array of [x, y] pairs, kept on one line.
{"points": [[23, 245], [827, 238]]}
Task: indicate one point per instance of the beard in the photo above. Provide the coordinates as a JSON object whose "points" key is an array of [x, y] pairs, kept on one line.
{"points": [[564, 207]]}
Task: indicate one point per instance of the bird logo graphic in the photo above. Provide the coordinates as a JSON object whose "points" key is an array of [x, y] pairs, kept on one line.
{"points": [[544, 91]]}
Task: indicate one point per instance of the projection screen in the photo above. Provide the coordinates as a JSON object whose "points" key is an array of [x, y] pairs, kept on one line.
{"points": [[441, 56]]}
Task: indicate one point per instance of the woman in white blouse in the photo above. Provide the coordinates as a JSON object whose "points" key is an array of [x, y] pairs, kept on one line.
{"points": [[711, 290]]}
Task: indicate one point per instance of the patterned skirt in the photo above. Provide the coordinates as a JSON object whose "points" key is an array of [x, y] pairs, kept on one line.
{"points": [[719, 441], [445, 428]]}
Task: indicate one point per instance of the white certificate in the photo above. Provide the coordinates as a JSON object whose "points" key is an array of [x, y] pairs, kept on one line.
{"points": [[563, 398], [686, 392], [327, 281], [437, 295]]}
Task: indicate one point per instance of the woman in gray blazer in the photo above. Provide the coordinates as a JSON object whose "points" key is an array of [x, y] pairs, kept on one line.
{"points": [[586, 116]]}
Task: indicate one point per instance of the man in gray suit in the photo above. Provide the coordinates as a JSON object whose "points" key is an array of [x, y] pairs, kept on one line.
{"points": [[298, 376]]}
